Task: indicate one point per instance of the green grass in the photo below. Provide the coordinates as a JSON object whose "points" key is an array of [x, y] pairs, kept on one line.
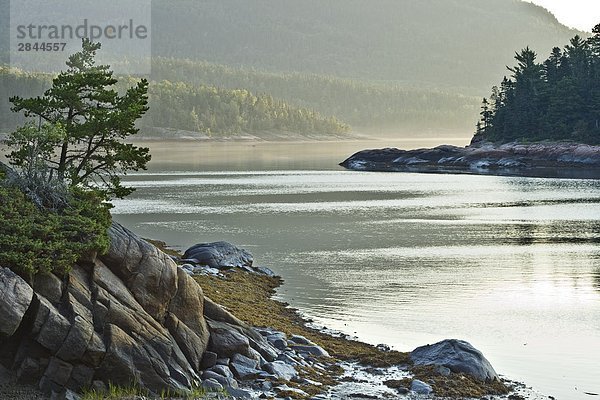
{"points": [[116, 392]]}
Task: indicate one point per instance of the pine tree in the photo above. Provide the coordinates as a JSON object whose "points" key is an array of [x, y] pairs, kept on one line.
{"points": [[95, 119]]}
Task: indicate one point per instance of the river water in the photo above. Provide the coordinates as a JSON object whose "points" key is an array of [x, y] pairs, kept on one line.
{"points": [[511, 265]]}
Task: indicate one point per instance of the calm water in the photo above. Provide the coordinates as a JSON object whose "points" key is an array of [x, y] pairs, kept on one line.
{"points": [[510, 264]]}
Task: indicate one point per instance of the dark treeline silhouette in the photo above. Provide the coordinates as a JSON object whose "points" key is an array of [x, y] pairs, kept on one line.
{"points": [[558, 99]]}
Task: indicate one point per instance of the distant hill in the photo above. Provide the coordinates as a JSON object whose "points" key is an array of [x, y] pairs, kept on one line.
{"points": [[370, 107], [382, 66], [438, 43], [210, 111]]}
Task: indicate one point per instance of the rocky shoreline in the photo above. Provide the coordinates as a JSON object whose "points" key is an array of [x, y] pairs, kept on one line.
{"points": [[138, 315], [552, 160]]}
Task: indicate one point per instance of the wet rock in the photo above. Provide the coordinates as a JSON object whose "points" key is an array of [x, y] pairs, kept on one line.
{"points": [[300, 340], [288, 389], [245, 361], [244, 367], [14, 302], [238, 393], [243, 371], [222, 370], [223, 380], [265, 271], [456, 355], [383, 347], [212, 385], [227, 342], [274, 336], [190, 261], [264, 386], [255, 355], [443, 370], [313, 350], [280, 344], [65, 395], [220, 255], [288, 359], [402, 390], [420, 387], [264, 349], [281, 370]]}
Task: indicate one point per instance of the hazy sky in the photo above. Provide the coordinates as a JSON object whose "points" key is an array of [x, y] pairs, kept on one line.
{"points": [[580, 14]]}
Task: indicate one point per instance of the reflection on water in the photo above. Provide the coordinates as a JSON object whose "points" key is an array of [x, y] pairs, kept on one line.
{"points": [[510, 264]]}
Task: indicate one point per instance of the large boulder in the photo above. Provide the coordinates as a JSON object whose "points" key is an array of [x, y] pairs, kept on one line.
{"points": [[226, 341], [458, 356], [281, 370], [14, 301], [186, 319], [220, 255], [149, 274]]}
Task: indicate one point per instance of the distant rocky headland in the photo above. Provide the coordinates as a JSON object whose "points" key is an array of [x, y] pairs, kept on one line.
{"points": [[552, 160]]}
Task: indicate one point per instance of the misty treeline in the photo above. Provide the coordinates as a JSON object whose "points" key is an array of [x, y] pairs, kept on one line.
{"points": [[361, 104], [557, 99], [193, 107], [221, 100], [216, 111]]}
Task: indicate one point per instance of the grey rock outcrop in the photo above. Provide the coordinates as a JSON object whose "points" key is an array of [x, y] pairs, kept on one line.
{"points": [[16, 298], [456, 355], [128, 316], [420, 387], [131, 315], [561, 160]]}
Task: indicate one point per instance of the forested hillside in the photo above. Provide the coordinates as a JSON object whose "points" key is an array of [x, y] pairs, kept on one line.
{"points": [[440, 43], [233, 66], [208, 110], [557, 99], [365, 106]]}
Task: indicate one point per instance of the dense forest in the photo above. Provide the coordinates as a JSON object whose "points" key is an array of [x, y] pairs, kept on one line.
{"points": [[558, 99], [230, 66], [218, 100], [363, 105], [208, 110], [215, 111]]}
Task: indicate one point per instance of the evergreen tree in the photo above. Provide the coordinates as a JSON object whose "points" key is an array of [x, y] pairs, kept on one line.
{"points": [[556, 100], [95, 118]]}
